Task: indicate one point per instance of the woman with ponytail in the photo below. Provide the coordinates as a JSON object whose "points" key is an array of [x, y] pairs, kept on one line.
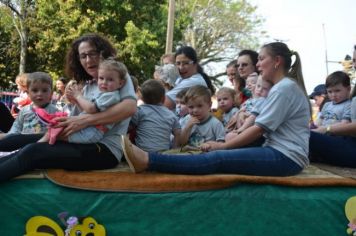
{"points": [[191, 74], [283, 120]]}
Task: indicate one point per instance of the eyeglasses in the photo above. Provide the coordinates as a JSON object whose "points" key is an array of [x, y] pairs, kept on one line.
{"points": [[91, 55], [184, 63], [242, 65]]}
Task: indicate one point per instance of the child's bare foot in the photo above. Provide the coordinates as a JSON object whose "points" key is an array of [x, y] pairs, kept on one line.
{"points": [[44, 139], [135, 157]]}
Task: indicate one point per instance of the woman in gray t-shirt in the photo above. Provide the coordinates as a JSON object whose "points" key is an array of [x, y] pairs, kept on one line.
{"points": [[191, 74], [81, 64], [283, 120]]}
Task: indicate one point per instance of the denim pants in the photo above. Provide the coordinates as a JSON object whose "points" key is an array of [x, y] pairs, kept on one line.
{"points": [[263, 161], [335, 150]]}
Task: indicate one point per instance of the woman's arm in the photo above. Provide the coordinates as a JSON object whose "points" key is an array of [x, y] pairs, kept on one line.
{"points": [[345, 129], [249, 121], [250, 135], [116, 113], [168, 103]]}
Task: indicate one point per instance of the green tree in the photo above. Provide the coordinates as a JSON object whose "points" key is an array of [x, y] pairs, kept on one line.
{"points": [[216, 28], [20, 12], [136, 28], [221, 28], [9, 59]]}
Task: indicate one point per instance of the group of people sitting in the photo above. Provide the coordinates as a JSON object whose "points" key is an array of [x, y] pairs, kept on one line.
{"points": [[261, 127]]}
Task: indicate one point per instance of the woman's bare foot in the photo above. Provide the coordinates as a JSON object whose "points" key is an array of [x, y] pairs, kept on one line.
{"points": [[44, 139], [135, 157]]}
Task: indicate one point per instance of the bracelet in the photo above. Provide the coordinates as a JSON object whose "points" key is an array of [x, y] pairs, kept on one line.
{"points": [[328, 129]]}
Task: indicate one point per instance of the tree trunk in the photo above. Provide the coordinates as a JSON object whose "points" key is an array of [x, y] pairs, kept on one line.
{"points": [[23, 53]]}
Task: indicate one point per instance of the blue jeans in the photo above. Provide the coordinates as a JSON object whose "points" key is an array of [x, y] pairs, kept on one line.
{"points": [[263, 161], [335, 150]]}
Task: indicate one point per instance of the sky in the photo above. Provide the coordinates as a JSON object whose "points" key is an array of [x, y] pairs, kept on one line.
{"points": [[299, 23]]}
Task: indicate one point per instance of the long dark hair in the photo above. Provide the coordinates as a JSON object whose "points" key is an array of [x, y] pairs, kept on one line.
{"points": [[192, 55], [73, 67]]}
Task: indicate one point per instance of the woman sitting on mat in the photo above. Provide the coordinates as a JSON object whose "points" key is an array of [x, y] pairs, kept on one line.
{"points": [[82, 64], [283, 121]]}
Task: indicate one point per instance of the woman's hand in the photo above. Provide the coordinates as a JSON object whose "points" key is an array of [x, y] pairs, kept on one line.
{"points": [[211, 145], [71, 124], [320, 129], [232, 122]]}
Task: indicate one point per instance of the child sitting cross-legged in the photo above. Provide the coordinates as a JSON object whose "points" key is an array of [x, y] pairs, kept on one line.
{"points": [[200, 126], [154, 123]]}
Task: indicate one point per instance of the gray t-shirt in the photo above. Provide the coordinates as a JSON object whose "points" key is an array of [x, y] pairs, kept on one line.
{"points": [[335, 112], [196, 79], [285, 117], [353, 109], [258, 105], [227, 116], [210, 130], [28, 122], [111, 138], [106, 100], [154, 126]]}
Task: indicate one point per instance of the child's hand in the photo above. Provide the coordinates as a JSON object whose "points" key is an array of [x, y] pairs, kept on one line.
{"points": [[192, 121], [210, 146], [72, 93]]}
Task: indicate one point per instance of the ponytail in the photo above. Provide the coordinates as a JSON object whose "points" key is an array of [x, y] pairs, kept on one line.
{"points": [[292, 71], [207, 79]]}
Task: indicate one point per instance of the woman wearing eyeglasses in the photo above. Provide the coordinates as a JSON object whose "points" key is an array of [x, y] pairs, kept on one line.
{"points": [[246, 63], [191, 74], [81, 64]]}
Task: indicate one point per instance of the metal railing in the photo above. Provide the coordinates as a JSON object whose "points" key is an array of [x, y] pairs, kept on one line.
{"points": [[7, 97]]}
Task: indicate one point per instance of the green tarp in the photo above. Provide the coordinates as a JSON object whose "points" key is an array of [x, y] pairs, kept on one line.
{"points": [[241, 210]]}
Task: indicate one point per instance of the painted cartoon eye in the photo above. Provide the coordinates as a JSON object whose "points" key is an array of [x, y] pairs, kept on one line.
{"points": [[91, 226], [78, 233]]}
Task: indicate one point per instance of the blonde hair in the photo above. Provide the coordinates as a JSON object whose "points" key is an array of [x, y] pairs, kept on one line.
{"points": [[112, 64], [230, 91], [21, 80], [198, 91]]}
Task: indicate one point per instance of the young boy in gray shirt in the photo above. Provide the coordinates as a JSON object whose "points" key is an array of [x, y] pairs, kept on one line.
{"points": [[338, 110], [155, 123]]}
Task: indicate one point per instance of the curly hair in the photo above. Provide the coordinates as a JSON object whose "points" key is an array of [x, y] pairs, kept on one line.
{"points": [[73, 67]]}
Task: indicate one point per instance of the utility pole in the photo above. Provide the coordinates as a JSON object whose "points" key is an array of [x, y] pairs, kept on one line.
{"points": [[170, 26], [326, 52]]}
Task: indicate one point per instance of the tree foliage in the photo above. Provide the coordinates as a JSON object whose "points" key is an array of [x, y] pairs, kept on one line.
{"points": [[20, 13], [221, 28], [216, 28]]}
